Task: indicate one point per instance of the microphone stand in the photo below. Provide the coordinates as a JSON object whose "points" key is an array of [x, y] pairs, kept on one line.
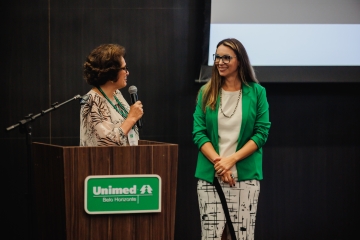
{"points": [[25, 128]]}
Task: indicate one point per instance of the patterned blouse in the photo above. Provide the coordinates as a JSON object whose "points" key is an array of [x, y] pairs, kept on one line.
{"points": [[100, 122]]}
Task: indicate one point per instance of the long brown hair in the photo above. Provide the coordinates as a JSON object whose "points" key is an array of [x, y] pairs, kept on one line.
{"points": [[245, 73]]}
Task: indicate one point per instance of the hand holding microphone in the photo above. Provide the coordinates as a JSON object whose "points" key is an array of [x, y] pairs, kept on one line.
{"points": [[136, 109]]}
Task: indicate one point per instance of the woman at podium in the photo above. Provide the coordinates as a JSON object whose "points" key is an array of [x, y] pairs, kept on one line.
{"points": [[106, 119]]}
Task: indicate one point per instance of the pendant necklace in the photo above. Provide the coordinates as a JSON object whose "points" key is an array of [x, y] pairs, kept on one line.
{"points": [[235, 106]]}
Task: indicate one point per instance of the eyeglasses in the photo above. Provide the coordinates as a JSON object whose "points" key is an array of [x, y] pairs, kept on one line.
{"points": [[225, 58], [125, 68]]}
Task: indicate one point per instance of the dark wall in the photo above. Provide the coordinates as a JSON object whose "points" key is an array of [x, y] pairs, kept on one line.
{"points": [[311, 158], [310, 162]]}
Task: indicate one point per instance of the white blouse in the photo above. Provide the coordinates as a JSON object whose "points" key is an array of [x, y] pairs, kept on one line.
{"points": [[229, 128], [100, 122]]}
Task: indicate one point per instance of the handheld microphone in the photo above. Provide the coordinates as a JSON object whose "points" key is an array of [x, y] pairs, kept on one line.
{"points": [[134, 98]]}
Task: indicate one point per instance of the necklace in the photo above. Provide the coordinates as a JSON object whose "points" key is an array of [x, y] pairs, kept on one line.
{"points": [[235, 106]]}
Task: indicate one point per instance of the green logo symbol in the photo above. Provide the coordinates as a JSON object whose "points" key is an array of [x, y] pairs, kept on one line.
{"points": [[146, 189]]}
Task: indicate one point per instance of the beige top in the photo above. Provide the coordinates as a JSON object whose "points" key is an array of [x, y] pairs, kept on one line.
{"points": [[100, 122], [229, 128]]}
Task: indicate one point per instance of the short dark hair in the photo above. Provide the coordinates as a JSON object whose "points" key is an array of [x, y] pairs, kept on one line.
{"points": [[103, 64]]}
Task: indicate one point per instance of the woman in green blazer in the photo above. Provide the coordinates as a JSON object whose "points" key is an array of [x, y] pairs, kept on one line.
{"points": [[231, 124]]}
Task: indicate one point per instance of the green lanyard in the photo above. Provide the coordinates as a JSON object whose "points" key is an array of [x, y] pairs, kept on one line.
{"points": [[122, 111]]}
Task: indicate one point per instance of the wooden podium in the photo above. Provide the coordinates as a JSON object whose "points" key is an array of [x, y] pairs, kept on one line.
{"points": [[59, 175]]}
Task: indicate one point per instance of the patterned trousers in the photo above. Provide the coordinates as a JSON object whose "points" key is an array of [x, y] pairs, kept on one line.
{"points": [[242, 203]]}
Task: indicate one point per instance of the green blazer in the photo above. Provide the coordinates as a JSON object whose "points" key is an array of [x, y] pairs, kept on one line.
{"points": [[255, 126]]}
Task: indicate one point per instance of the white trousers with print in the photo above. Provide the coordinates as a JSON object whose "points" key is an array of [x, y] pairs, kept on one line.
{"points": [[242, 200]]}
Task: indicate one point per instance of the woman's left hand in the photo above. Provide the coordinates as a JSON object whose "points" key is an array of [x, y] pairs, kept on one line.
{"points": [[225, 164]]}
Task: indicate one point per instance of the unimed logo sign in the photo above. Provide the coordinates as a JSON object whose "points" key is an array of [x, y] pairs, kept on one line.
{"points": [[116, 194]]}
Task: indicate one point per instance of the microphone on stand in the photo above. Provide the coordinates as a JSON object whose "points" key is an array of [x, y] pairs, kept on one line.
{"points": [[83, 99], [134, 98]]}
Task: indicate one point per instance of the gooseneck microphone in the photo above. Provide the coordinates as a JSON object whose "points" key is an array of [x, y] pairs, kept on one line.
{"points": [[134, 98]]}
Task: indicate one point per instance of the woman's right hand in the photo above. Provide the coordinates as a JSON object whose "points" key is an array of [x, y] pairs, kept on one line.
{"points": [[227, 177], [136, 111]]}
